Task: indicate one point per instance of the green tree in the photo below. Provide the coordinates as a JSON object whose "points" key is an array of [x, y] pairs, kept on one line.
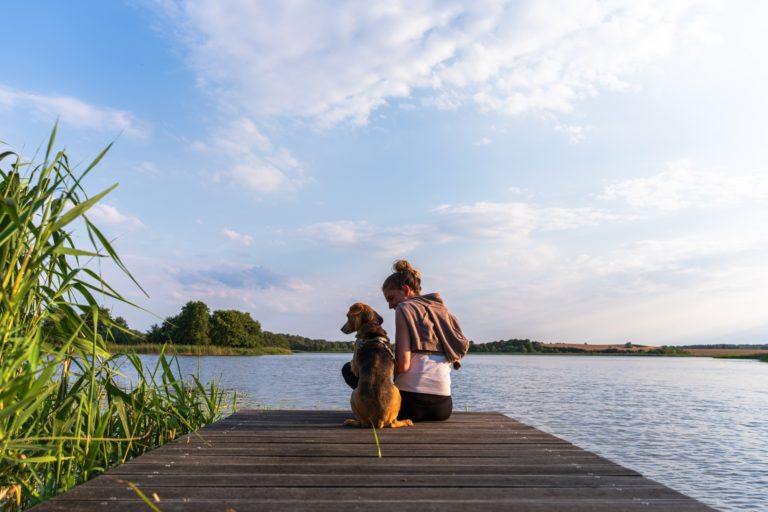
{"points": [[234, 329], [192, 325], [115, 330], [122, 334], [161, 333]]}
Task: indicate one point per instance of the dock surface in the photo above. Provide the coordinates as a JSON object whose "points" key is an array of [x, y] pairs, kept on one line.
{"points": [[306, 460]]}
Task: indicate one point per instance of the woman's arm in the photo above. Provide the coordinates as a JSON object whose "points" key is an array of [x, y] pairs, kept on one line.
{"points": [[402, 343]]}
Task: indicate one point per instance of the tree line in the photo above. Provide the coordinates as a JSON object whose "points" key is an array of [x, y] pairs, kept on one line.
{"points": [[525, 346], [196, 324], [536, 347], [740, 346]]}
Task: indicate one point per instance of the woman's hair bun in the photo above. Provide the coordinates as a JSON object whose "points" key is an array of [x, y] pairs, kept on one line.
{"points": [[404, 275], [404, 266]]}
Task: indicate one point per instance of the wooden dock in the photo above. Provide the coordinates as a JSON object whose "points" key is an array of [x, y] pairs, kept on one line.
{"points": [[306, 460]]}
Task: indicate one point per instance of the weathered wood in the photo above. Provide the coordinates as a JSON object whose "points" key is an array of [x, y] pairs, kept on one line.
{"points": [[366, 438], [201, 479], [306, 460], [286, 492], [226, 505], [361, 449], [293, 466]]}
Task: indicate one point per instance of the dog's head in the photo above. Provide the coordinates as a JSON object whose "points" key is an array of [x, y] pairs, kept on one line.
{"points": [[360, 315]]}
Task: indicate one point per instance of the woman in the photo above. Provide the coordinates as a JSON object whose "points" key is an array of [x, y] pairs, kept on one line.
{"points": [[428, 340]]}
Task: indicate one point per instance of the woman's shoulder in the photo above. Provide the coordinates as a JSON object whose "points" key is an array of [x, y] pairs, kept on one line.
{"points": [[428, 300]]}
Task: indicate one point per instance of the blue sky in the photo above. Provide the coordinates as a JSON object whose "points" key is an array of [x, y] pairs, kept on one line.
{"points": [[577, 171]]}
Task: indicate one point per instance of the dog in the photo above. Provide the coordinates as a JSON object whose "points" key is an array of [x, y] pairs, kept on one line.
{"points": [[376, 401]]}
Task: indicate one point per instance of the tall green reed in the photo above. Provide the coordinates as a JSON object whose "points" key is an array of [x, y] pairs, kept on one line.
{"points": [[64, 414]]}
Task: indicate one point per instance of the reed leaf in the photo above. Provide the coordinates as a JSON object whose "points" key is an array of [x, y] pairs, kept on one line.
{"points": [[66, 412]]}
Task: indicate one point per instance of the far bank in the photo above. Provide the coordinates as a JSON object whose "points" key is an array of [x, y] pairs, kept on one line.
{"points": [[339, 347]]}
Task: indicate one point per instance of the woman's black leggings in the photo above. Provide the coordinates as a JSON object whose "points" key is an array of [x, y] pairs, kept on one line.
{"points": [[424, 407], [414, 406]]}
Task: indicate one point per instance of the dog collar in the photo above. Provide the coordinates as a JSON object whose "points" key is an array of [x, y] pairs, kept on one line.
{"points": [[379, 339]]}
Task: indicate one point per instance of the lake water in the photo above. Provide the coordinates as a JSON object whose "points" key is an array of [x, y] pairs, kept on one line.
{"points": [[698, 425]]}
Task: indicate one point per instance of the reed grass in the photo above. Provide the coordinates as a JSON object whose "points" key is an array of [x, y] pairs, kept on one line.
{"points": [[64, 414], [376, 437]]}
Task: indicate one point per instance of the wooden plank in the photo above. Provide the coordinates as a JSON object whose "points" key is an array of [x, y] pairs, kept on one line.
{"points": [[248, 463], [460, 443], [235, 505], [362, 436], [478, 437], [306, 460], [363, 449], [292, 466], [329, 422], [335, 418], [202, 479], [288, 492]]}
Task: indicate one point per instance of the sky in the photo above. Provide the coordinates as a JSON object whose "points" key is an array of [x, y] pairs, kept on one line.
{"points": [[563, 171]]}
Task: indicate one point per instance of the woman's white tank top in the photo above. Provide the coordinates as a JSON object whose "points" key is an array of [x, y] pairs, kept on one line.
{"points": [[428, 373]]}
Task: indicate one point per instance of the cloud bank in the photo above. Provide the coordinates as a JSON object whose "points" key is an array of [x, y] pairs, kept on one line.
{"points": [[246, 240], [74, 112], [334, 62], [104, 214], [233, 277], [681, 186], [253, 161]]}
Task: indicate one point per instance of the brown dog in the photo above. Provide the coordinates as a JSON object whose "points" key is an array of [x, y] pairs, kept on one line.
{"points": [[376, 401]]}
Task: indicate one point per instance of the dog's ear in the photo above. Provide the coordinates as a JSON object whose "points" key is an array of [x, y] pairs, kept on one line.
{"points": [[370, 316], [356, 308]]}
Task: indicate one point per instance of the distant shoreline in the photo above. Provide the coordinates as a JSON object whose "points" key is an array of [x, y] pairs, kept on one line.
{"points": [[750, 353], [726, 354], [588, 350]]}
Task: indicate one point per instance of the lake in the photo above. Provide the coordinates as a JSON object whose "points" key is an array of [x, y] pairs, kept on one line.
{"points": [[698, 425]]}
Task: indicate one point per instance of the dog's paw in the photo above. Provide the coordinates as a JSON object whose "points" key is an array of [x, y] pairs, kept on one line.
{"points": [[408, 423], [353, 423]]}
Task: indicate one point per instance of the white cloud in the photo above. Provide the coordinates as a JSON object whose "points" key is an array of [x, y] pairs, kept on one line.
{"points": [[692, 255], [246, 240], [575, 133], [513, 220], [259, 177], [256, 163], [386, 241], [484, 141], [648, 290], [520, 191], [148, 167], [339, 61], [339, 233], [500, 222], [267, 294], [74, 112], [104, 214], [680, 186]]}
